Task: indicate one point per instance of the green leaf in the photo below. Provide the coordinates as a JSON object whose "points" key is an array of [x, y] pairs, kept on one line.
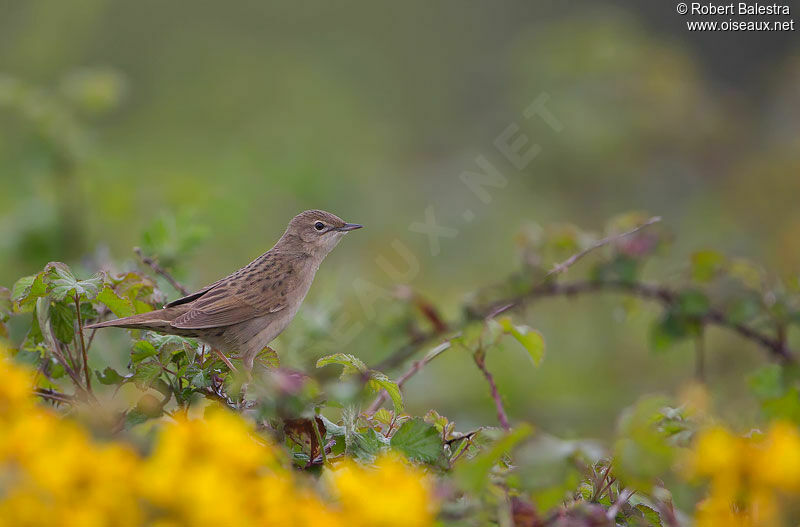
{"points": [[109, 376], [693, 303], [787, 406], [531, 340], [121, 307], [651, 516], [200, 380], [62, 320], [366, 445], [135, 417], [351, 363], [27, 290], [706, 265], [767, 382], [169, 343], [383, 416], [141, 350], [472, 474], [442, 424], [268, 358], [671, 328], [64, 283], [146, 374], [380, 381], [418, 441]]}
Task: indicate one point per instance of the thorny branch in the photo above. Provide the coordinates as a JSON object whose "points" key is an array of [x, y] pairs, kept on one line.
{"points": [[480, 360], [775, 346], [84, 353], [415, 368], [646, 291], [566, 264], [152, 264], [54, 396]]}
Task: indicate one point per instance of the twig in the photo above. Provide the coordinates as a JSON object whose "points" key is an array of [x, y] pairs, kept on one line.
{"points": [[160, 270], [566, 264], [59, 355], [91, 339], [624, 496], [416, 367], [498, 402], [601, 485], [648, 292], [776, 346], [318, 437], [224, 359], [53, 395], [466, 436], [83, 344]]}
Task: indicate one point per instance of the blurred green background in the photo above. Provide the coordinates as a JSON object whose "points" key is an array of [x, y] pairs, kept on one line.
{"points": [[223, 120]]}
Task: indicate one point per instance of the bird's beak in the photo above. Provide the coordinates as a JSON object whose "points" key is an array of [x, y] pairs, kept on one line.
{"points": [[349, 227]]}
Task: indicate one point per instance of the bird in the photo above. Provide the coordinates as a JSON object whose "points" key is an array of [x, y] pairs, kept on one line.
{"points": [[245, 311]]}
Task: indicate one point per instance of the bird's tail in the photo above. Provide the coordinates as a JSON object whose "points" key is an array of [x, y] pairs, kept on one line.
{"points": [[160, 318]]}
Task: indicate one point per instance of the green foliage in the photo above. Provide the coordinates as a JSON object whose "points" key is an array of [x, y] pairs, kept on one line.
{"points": [[320, 420], [418, 441]]}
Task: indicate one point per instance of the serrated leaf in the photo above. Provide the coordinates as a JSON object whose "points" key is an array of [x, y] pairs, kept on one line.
{"points": [[366, 445], [531, 340], [190, 352], [383, 416], [146, 374], [121, 307], [27, 290], [109, 376], [351, 363], [200, 380], [380, 381], [418, 441], [63, 283], [439, 421], [651, 516], [268, 358], [62, 320], [169, 343], [141, 350]]}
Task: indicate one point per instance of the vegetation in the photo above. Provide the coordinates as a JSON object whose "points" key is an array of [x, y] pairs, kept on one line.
{"points": [[201, 439]]}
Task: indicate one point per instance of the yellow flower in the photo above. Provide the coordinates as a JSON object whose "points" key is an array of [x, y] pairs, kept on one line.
{"points": [[391, 494], [748, 475], [777, 462], [211, 471], [716, 451]]}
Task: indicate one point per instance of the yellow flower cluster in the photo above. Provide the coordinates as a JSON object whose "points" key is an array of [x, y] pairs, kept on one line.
{"points": [[213, 471], [750, 476]]}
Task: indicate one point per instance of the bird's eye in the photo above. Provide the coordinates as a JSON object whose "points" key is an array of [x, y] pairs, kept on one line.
{"points": [[319, 225]]}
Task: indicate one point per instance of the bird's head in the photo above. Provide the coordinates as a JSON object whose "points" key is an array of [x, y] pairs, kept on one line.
{"points": [[316, 232]]}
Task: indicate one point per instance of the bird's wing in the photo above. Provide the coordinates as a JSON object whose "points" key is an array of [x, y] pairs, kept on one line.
{"points": [[261, 288], [193, 296]]}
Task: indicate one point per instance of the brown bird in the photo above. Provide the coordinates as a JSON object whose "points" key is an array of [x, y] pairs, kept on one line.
{"points": [[246, 310]]}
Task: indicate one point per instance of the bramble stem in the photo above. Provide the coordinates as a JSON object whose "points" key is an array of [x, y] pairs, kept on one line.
{"points": [[498, 402], [152, 264], [83, 344]]}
